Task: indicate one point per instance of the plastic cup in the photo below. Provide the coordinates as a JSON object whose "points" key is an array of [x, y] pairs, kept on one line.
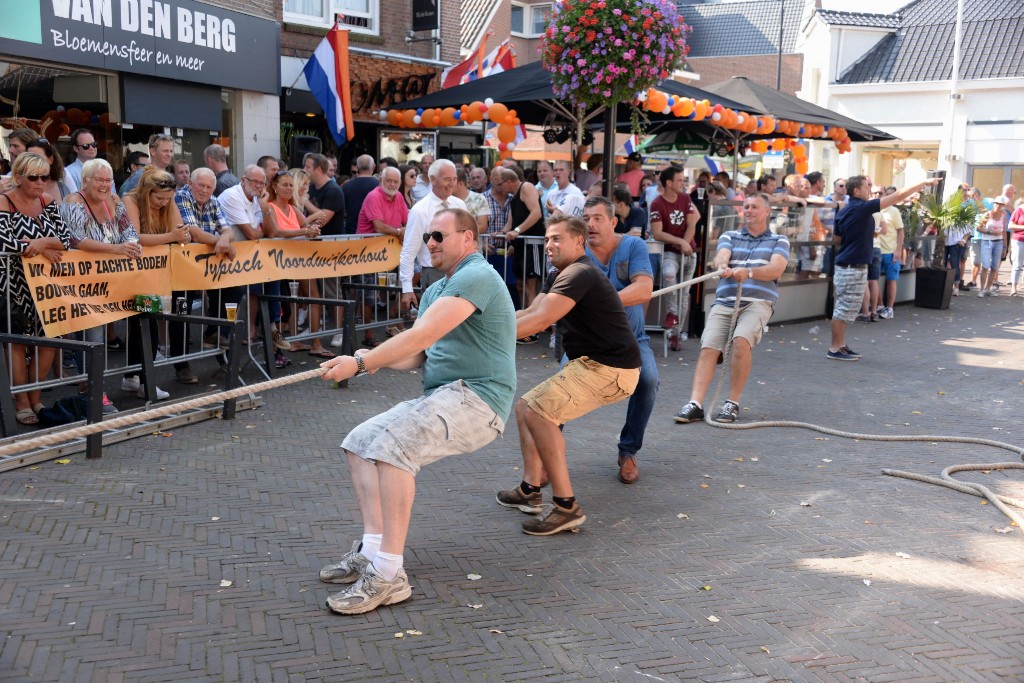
{"points": [[700, 193], [231, 310], [382, 279], [294, 287], [392, 279], [165, 304]]}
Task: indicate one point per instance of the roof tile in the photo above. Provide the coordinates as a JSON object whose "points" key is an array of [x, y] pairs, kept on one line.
{"points": [[725, 29]]}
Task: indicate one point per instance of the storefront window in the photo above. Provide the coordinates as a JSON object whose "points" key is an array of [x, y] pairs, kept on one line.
{"points": [[406, 147], [55, 101]]}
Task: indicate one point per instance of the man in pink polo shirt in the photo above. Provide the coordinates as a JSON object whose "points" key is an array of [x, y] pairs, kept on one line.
{"points": [[384, 210]]}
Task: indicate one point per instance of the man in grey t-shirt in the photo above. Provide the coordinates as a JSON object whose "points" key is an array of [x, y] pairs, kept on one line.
{"points": [[464, 339]]}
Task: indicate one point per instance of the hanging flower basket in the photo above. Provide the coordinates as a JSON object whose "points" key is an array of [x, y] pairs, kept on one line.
{"points": [[609, 51]]}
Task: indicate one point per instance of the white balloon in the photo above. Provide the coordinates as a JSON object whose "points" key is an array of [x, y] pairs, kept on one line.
{"points": [[666, 110], [417, 119], [489, 101], [510, 146], [383, 115]]}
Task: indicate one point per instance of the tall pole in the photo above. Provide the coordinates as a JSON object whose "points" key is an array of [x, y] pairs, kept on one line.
{"points": [[609, 148], [778, 67]]}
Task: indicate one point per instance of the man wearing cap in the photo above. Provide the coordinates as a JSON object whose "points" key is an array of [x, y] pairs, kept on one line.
{"points": [[633, 174]]}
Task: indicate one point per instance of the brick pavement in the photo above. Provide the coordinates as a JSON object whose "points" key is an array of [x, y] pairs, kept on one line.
{"points": [[110, 570]]}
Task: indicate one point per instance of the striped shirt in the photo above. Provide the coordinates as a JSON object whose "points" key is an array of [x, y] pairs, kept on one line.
{"points": [[748, 251]]}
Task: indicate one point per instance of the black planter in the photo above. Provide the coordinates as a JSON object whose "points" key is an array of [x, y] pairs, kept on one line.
{"points": [[934, 287]]}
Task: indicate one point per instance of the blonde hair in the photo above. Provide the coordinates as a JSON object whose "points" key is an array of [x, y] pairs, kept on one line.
{"points": [[153, 180], [29, 163], [298, 196]]}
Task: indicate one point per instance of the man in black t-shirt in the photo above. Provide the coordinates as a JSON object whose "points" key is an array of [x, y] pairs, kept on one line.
{"points": [[329, 200], [326, 196], [356, 189], [603, 367]]}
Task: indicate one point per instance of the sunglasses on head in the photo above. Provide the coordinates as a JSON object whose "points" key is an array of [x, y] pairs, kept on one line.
{"points": [[41, 141], [165, 184], [88, 145], [36, 178]]}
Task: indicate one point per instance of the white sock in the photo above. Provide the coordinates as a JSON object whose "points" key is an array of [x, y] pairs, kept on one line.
{"points": [[697, 403], [371, 544], [387, 565]]}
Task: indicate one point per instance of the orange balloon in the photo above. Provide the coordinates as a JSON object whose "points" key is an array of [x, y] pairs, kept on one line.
{"points": [[498, 112], [686, 106], [448, 117], [394, 117], [778, 144], [506, 133], [658, 102], [407, 118]]}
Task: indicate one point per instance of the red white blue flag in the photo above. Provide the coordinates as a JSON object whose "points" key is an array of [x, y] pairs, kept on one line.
{"points": [[501, 58], [327, 75]]}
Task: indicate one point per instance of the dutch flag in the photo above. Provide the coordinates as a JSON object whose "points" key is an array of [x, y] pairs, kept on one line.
{"points": [[327, 75]]}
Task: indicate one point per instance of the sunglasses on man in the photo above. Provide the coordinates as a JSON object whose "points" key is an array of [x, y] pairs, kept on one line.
{"points": [[436, 235], [88, 145]]}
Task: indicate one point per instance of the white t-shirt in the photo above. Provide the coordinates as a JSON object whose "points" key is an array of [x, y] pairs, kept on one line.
{"points": [[238, 209], [569, 200]]}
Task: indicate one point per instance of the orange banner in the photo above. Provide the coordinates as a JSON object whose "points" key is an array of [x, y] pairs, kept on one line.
{"points": [[196, 267], [87, 289]]}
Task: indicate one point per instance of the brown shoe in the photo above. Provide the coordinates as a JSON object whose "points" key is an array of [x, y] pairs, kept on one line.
{"points": [[628, 473]]}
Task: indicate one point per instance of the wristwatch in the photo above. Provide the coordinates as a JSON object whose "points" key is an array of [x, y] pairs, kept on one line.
{"points": [[750, 273], [516, 229], [360, 366]]}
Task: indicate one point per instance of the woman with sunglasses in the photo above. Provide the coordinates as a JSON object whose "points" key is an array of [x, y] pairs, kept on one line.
{"points": [[30, 225], [98, 222], [152, 209], [60, 184], [285, 219], [409, 175]]}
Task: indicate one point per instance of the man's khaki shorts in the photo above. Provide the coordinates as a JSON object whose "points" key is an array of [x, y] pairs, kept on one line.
{"points": [[749, 325], [452, 420], [580, 387]]}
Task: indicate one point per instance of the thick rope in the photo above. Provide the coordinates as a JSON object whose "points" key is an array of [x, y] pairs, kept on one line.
{"points": [[975, 489], [123, 421]]}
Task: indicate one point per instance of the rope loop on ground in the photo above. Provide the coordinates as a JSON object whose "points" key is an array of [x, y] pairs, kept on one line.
{"points": [[973, 488]]}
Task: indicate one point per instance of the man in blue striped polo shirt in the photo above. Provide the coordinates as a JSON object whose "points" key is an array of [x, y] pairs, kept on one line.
{"points": [[755, 257]]}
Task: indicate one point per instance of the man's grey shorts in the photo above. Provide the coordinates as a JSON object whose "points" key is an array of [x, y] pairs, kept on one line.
{"points": [[452, 420], [848, 292]]}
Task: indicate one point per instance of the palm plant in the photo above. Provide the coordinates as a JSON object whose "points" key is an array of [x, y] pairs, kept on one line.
{"points": [[952, 215]]}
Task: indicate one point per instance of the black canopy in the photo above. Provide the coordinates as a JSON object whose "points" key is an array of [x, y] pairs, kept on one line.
{"points": [[783, 106], [528, 90]]}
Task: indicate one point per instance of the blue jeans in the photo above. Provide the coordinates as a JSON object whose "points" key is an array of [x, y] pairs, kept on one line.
{"points": [[641, 403]]}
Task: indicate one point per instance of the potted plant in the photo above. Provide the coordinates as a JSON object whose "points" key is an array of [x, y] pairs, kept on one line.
{"points": [[954, 215]]}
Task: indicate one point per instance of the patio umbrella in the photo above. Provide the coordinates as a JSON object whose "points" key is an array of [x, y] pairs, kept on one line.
{"points": [[782, 106], [528, 90]]}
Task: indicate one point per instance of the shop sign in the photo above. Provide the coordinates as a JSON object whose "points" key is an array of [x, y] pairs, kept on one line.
{"points": [[424, 15], [178, 39], [370, 96]]}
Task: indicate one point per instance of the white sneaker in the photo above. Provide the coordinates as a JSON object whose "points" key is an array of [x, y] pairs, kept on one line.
{"points": [[336, 340], [161, 395], [159, 357], [888, 312], [301, 323], [956, 291], [981, 293], [130, 383]]}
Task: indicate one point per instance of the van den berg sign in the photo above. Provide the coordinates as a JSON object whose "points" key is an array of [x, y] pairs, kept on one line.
{"points": [[177, 39]]}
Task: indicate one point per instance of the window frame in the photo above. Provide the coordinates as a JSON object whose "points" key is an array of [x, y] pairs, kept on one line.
{"points": [[328, 9], [528, 18]]}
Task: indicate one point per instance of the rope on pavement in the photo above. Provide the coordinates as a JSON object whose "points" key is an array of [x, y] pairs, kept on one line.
{"points": [[82, 431], [973, 488]]}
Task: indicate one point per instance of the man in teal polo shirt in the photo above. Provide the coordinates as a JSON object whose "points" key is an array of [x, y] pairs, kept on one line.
{"points": [[464, 338]]}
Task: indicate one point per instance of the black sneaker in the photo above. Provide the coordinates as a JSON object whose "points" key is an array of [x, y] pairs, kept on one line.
{"points": [[531, 339], [691, 412], [849, 352], [116, 344], [557, 519], [515, 498], [729, 412]]}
